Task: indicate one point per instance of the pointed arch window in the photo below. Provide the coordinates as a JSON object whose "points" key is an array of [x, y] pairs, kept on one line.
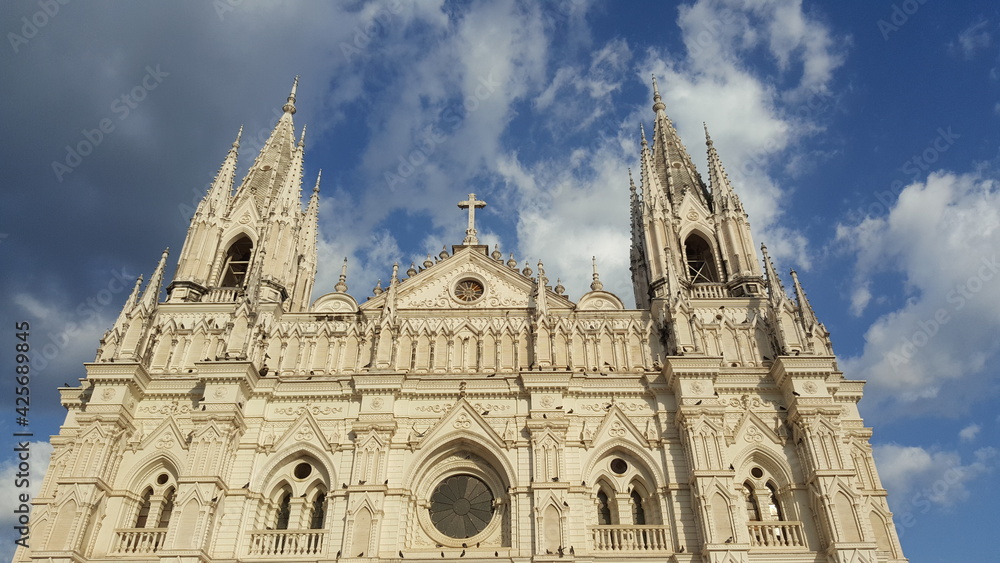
{"points": [[166, 508], [700, 260], [143, 516], [753, 511], [603, 509], [318, 512], [284, 512], [773, 506], [237, 263], [638, 513]]}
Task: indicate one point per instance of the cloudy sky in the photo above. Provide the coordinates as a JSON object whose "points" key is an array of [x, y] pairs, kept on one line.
{"points": [[862, 136]]}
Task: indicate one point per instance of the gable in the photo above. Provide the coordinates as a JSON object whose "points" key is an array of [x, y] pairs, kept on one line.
{"points": [[436, 287]]}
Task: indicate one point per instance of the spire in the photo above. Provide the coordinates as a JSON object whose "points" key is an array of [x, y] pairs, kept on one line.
{"points": [[341, 286], [289, 106], [217, 199], [130, 304], [302, 138], [658, 104], [672, 162], [723, 195], [389, 307], [596, 285], [152, 294], [275, 162], [806, 313], [775, 290]]}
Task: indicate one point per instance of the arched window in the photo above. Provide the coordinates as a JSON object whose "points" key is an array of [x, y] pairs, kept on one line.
{"points": [[140, 521], [166, 508], [638, 513], [603, 509], [753, 511], [700, 261], [283, 513], [237, 263], [318, 512], [773, 506]]}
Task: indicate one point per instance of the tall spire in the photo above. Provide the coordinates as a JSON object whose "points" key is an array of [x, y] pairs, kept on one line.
{"points": [[541, 305], [289, 106], [672, 162], [217, 199]]}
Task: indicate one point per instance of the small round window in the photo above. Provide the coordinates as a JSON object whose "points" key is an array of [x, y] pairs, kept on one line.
{"points": [[468, 290], [757, 472], [619, 466], [302, 470], [461, 506]]}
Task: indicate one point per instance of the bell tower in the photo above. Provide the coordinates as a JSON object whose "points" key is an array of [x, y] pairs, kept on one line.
{"points": [[689, 238], [257, 244]]}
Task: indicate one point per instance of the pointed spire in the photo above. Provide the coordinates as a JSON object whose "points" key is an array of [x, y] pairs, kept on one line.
{"points": [[395, 274], [289, 106], [806, 313], [596, 285], [302, 138], [775, 289], [723, 195], [151, 296], [130, 303], [658, 104], [217, 199], [278, 166], [642, 133], [341, 286], [673, 164]]}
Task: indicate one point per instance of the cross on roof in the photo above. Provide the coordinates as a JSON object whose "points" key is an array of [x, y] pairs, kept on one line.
{"points": [[471, 204]]}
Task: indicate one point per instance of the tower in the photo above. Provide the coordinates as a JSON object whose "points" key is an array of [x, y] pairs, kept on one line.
{"points": [[469, 409]]}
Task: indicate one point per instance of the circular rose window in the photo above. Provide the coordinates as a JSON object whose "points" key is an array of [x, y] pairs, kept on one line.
{"points": [[468, 290], [461, 506]]}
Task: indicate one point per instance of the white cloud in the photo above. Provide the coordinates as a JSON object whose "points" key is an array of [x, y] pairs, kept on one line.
{"points": [[10, 477], [970, 432], [935, 350], [973, 39], [917, 478]]}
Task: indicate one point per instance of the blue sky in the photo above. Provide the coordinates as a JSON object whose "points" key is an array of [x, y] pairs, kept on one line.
{"points": [[862, 136]]}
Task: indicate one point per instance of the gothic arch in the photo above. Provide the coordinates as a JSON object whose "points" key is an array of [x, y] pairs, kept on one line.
{"points": [[698, 246], [284, 462]]}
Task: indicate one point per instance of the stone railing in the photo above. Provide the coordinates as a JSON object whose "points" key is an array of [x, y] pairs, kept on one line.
{"points": [[630, 538], [222, 295], [709, 291], [139, 541], [776, 534], [286, 542]]}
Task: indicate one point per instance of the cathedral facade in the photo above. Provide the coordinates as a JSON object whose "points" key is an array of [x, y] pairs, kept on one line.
{"points": [[469, 409]]}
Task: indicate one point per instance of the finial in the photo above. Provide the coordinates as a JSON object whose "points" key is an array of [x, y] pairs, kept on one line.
{"points": [[412, 270], [239, 134], [527, 269], [497, 255], [596, 285], [708, 138], [444, 252], [658, 105], [631, 182], [642, 131], [395, 274], [302, 138], [378, 288], [428, 262], [289, 106], [318, 176], [541, 272], [559, 289], [341, 286], [511, 262]]}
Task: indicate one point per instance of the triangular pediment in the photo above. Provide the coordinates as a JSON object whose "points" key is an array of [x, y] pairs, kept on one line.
{"points": [[166, 436], [617, 426], [305, 429], [752, 429], [463, 420], [435, 287]]}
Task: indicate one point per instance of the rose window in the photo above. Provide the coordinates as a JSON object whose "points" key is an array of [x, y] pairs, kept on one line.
{"points": [[468, 290], [461, 506]]}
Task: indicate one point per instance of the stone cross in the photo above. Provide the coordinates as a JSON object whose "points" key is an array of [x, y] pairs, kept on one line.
{"points": [[471, 204]]}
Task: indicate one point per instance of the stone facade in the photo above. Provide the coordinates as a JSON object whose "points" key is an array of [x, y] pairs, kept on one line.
{"points": [[469, 409]]}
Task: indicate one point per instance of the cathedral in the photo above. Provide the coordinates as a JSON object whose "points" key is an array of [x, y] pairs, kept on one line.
{"points": [[468, 410]]}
